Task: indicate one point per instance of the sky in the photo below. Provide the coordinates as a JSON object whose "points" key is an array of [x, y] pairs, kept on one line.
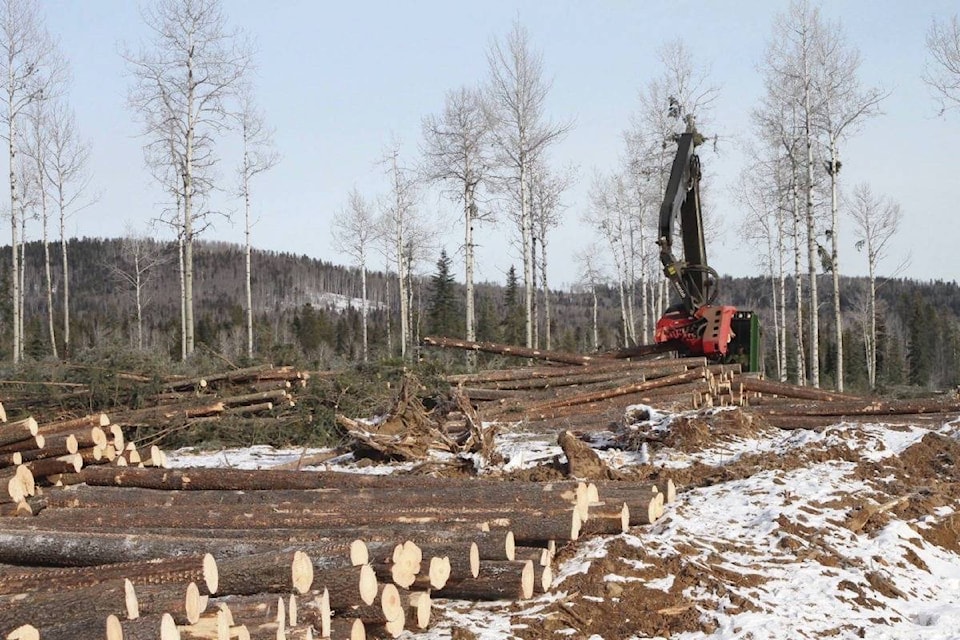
{"points": [[338, 81]]}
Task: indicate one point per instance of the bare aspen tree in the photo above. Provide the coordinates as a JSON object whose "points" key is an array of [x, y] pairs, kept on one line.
{"points": [[258, 156], [26, 55], [354, 232], [457, 152], [591, 276], [35, 153], [844, 106], [876, 221], [546, 191], [644, 182], [138, 258], [68, 180], [790, 70], [776, 124], [182, 87], [764, 228], [402, 236], [942, 70], [610, 216], [517, 93]]}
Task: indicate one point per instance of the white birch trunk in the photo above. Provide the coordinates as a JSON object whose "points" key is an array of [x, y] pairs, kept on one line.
{"points": [[835, 259], [66, 277], [15, 214], [596, 328], [811, 233], [188, 211], [138, 285], [526, 223], [798, 283], [364, 308], [248, 284], [468, 209]]}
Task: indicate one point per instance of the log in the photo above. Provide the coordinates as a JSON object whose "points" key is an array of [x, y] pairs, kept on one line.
{"points": [[348, 585], [185, 604], [508, 350], [274, 571], [419, 605], [877, 407], [167, 570], [64, 606], [787, 390], [149, 627], [534, 529], [18, 431], [260, 397], [254, 609], [83, 423], [665, 381], [496, 581], [59, 548]]}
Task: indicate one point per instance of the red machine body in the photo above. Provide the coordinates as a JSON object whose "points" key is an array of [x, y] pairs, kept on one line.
{"points": [[707, 332]]}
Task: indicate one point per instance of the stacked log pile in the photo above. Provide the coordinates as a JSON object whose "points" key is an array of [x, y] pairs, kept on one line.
{"points": [[592, 392], [222, 553], [35, 455], [261, 392]]}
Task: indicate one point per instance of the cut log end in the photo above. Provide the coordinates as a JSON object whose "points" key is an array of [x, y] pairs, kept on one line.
{"points": [[420, 604], [292, 616], [359, 554], [510, 546], [390, 602], [368, 584], [130, 600], [302, 572], [527, 580], [114, 630], [211, 576], [475, 559], [168, 628], [439, 571], [192, 603]]}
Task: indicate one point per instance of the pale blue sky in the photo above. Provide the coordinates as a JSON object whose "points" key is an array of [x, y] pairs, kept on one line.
{"points": [[337, 80]]}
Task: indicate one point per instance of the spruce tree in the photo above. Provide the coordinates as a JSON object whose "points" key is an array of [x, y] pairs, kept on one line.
{"points": [[443, 314], [513, 313]]}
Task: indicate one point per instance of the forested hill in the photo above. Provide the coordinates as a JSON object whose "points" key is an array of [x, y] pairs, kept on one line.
{"points": [[303, 309]]}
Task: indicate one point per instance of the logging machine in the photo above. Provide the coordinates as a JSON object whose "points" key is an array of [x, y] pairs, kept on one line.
{"points": [[696, 326]]}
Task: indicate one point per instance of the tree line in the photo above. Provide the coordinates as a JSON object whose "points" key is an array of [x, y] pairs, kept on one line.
{"points": [[308, 311], [488, 150]]}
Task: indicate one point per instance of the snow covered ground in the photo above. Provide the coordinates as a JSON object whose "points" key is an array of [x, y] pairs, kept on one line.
{"points": [[769, 537]]}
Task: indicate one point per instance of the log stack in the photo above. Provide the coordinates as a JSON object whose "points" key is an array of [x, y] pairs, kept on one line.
{"points": [[592, 392], [212, 553]]}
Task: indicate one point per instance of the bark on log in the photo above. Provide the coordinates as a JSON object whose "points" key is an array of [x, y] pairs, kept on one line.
{"points": [[149, 627], [535, 529], [18, 431], [185, 604], [168, 570], [64, 606], [876, 407], [665, 381], [291, 517], [84, 423], [59, 548], [786, 390], [274, 571], [508, 350], [496, 581]]}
